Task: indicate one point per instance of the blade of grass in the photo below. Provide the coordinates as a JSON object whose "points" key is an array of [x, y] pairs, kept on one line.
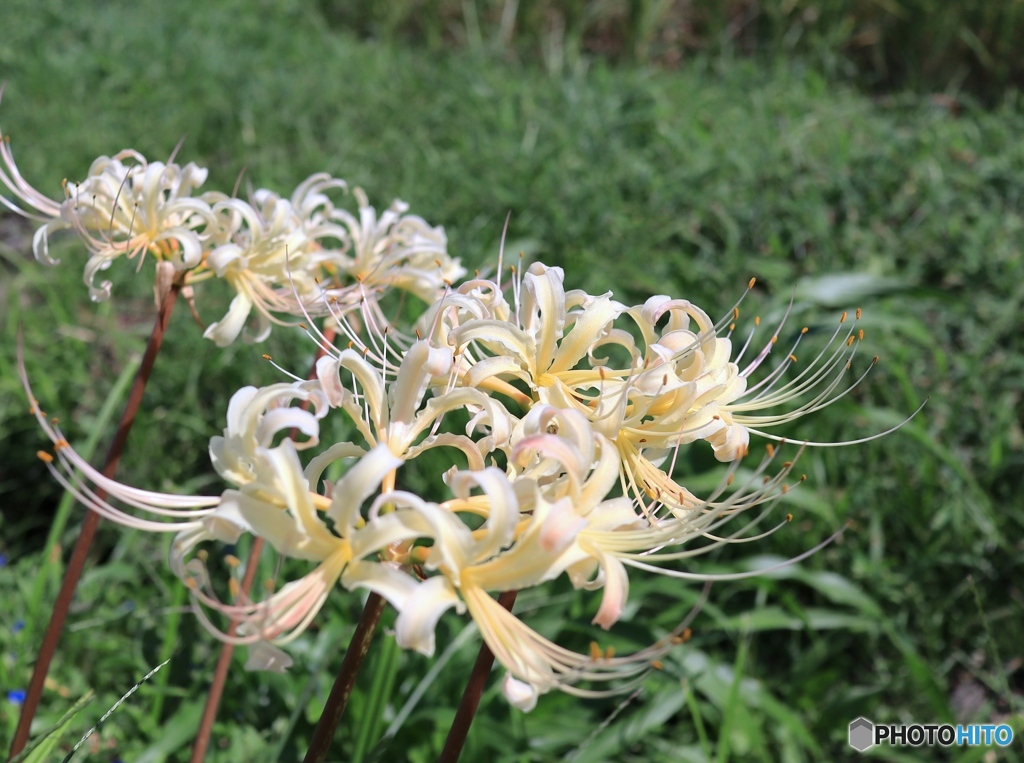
{"points": [[734, 692], [698, 720], [103, 718], [166, 650], [41, 748], [384, 674]]}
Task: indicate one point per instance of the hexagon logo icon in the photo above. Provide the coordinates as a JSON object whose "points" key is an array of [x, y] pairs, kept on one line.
{"points": [[862, 734]]}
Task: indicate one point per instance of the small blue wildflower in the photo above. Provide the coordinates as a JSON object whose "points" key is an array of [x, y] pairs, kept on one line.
{"points": [[3, 560], [16, 696], [19, 625]]}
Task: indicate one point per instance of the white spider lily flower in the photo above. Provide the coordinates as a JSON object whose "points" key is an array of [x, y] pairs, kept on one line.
{"points": [[292, 524], [125, 207], [394, 250], [272, 252], [525, 541], [562, 475], [393, 412]]}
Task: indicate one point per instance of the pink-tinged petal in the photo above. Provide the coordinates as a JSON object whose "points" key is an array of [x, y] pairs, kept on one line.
{"points": [[519, 694], [616, 591], [560, 527]]}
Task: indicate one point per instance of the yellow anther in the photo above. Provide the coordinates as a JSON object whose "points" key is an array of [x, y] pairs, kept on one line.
{"points": [[732, 327], [787, 464], [751, 282], [757, 320], [267, 357], [849, 341], [874, 360], [771, 450], [595, 651], [716, 417], [232, 561], [203, 554], [729, 479], [789, 517], [60, 444], [55, 421], [735, 313], [860, 334], [609, 652], [351, 345], [858, 313], [775, 339], [304, 327], [785, 489], [842, 318], [192, 583], [792, 357], [418, 335], [44, 456], [234, 588], [657, 664]]}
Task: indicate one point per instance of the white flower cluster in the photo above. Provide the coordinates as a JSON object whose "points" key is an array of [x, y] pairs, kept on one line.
{"points": [[281, 256], [571, 411]]}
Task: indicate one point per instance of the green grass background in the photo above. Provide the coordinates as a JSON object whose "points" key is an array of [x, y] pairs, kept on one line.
{"points": [[633, 177]]}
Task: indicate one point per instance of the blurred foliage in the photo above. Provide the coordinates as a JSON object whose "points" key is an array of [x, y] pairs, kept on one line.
{"points": [[929, 45], [646, 181]]}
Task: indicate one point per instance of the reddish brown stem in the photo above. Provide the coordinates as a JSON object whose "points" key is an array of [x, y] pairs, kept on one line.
{"points": [[227, 650], [471, 696], [323, 735], [51, 638]]}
